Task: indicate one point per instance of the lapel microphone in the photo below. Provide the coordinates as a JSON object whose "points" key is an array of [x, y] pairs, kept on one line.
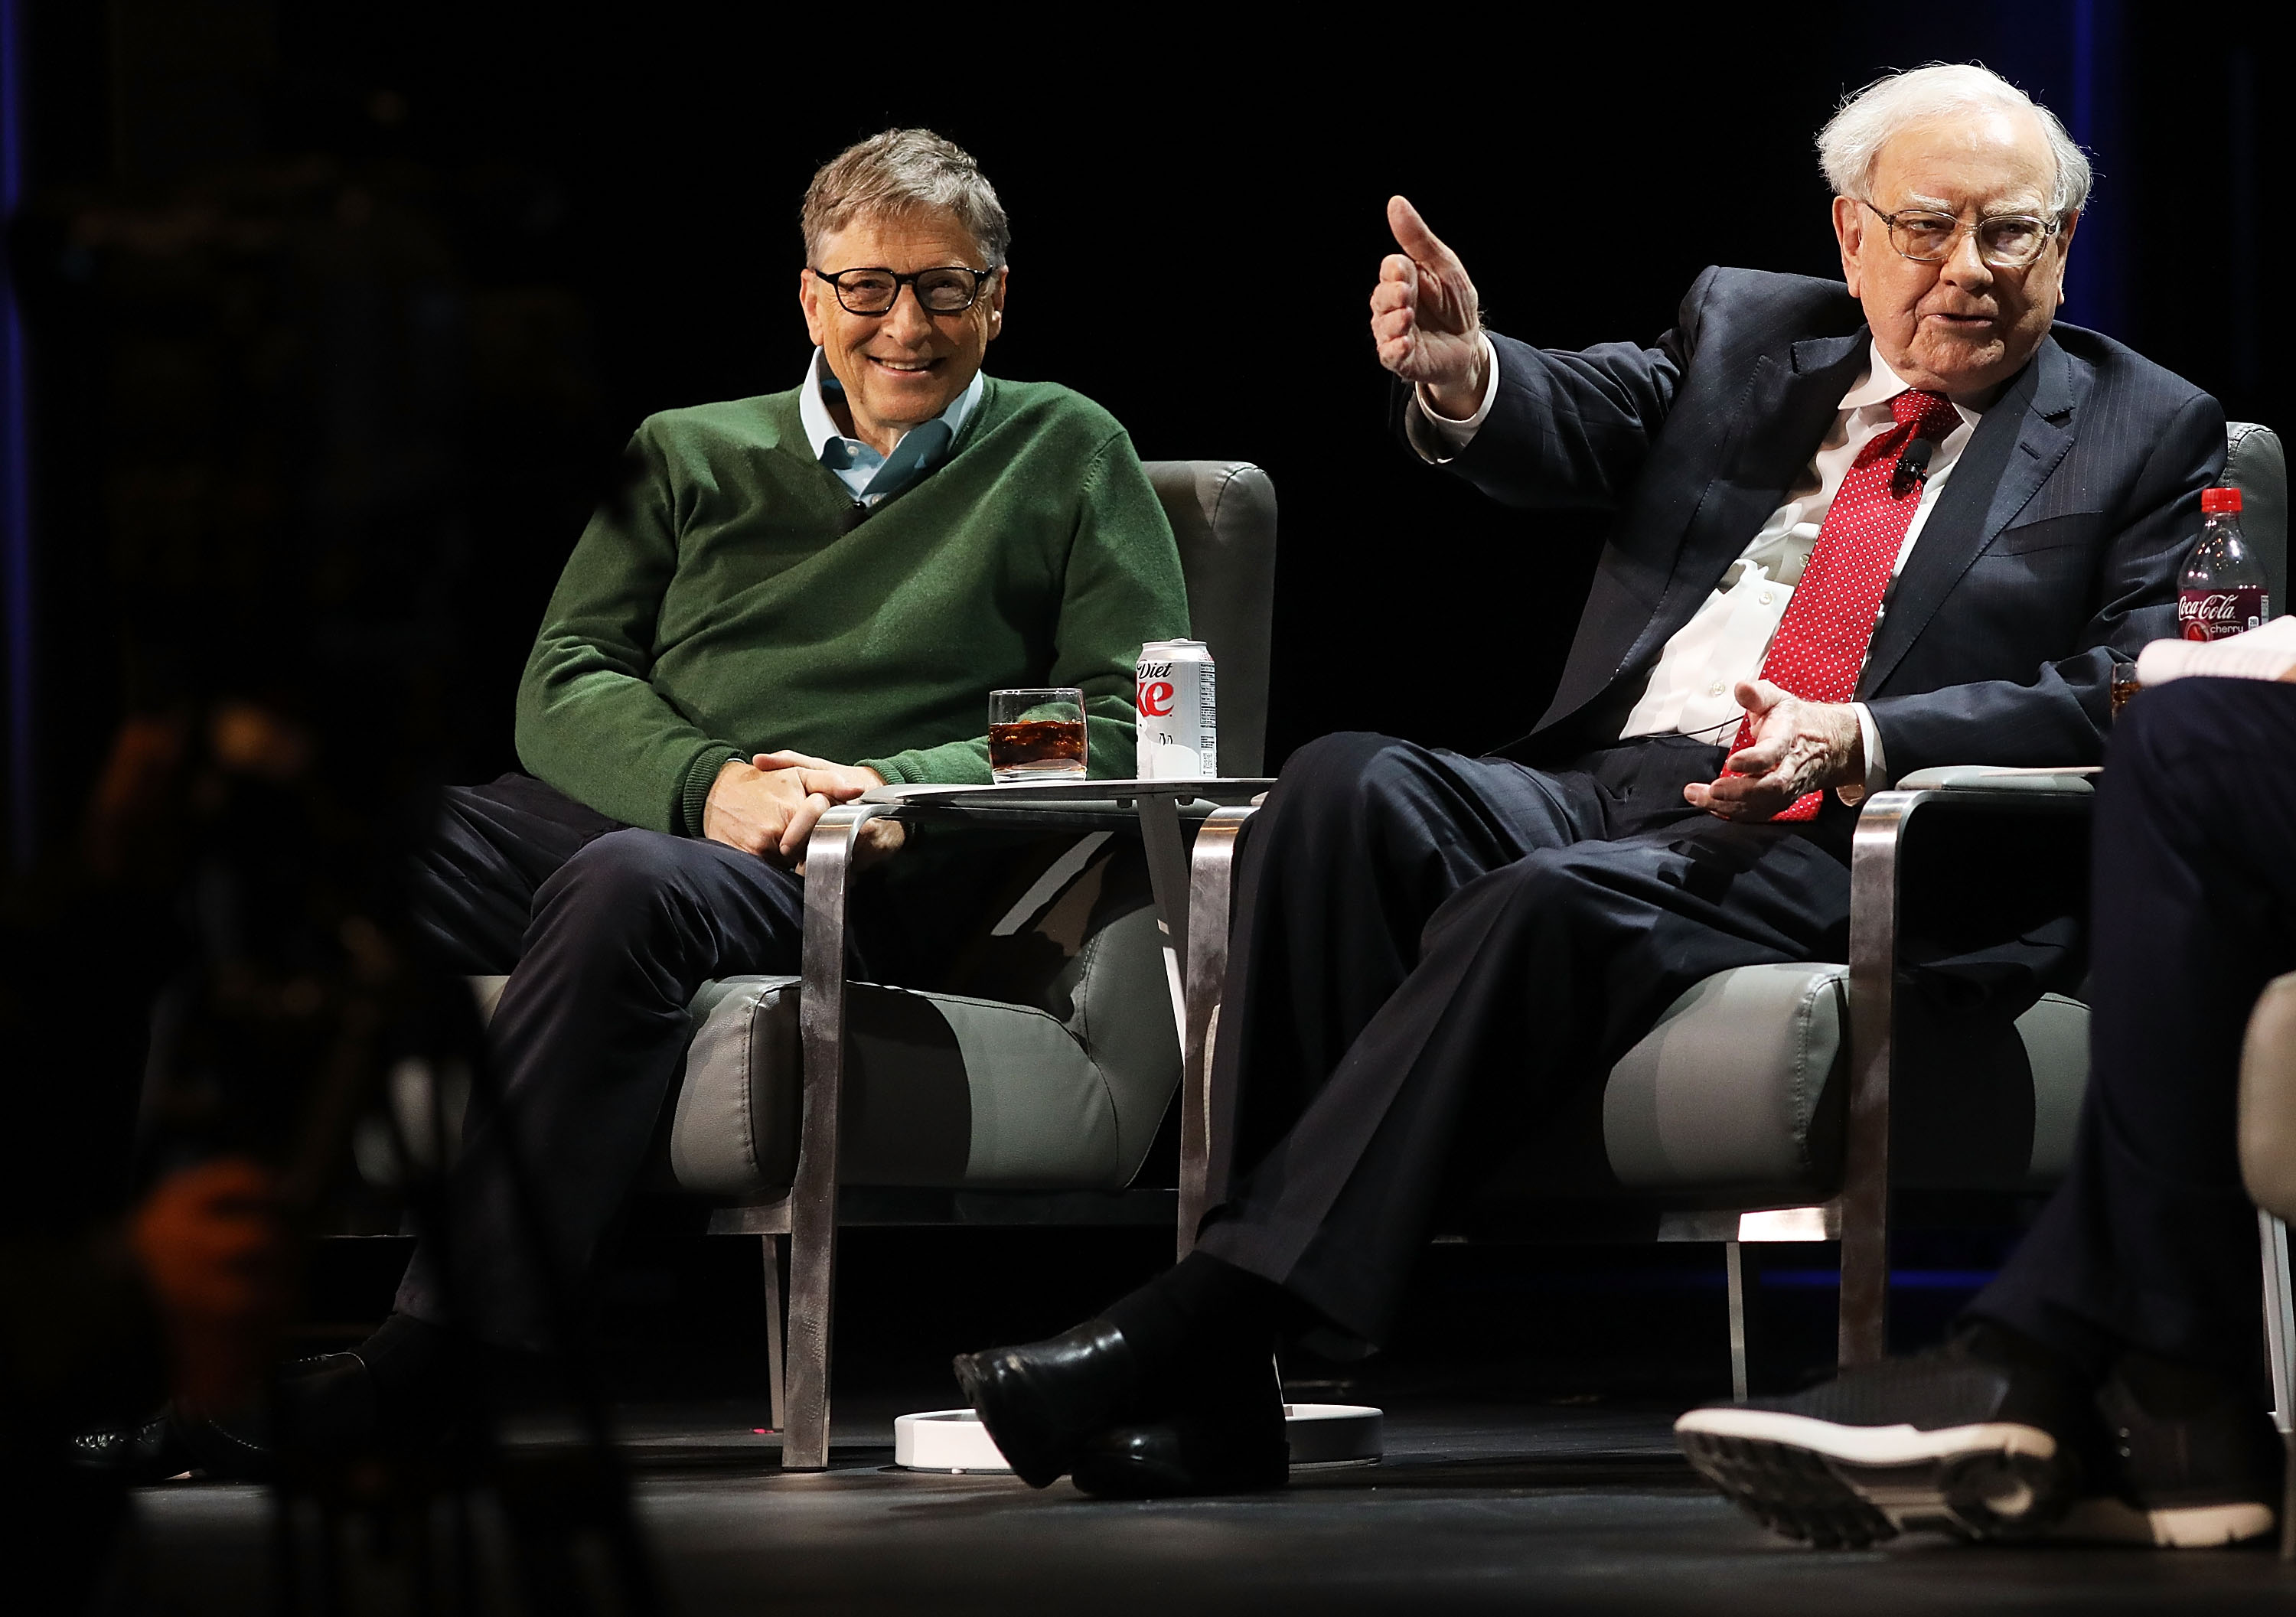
{"points": [[1913, 468]]}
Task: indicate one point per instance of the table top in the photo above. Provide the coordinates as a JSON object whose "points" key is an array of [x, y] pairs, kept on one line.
{"points": [[1054, 805]]}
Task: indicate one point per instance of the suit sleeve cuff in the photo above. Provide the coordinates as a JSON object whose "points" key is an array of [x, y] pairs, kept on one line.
{"points": [[1439, 438], [1877, 773]]}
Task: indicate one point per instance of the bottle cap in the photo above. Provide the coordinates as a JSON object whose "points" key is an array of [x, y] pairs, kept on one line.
{"points": [[2214, 500]]}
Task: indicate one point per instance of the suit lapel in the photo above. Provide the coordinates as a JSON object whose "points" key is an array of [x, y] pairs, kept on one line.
{"points": [[1789, 402], [2010, 455]]}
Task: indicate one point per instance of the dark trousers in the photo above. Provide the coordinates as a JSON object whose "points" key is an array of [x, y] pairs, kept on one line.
{"points": [[1431, 950], [606, 932], [2151, 1242]]}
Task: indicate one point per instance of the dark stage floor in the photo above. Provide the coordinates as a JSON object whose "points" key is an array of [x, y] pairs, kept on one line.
{"points": [[1522, 1506]]}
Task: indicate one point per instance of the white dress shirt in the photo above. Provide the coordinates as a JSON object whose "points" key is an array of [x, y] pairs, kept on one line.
{"points": [[1729, 635]]}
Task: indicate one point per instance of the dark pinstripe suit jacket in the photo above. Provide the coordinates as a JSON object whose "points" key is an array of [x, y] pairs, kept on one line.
{"points": [[2053, 550]]}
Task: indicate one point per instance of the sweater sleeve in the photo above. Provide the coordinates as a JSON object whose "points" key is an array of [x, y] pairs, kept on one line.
{"points": [[590, 721], [1122, 587]]}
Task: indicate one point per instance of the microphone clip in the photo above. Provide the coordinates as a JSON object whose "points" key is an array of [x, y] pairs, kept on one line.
{"points": [[1913, 468]]}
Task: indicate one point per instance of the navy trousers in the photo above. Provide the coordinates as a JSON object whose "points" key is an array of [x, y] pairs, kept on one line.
{"points": [[1431, 950], [606, 932], [2150, 1243]]}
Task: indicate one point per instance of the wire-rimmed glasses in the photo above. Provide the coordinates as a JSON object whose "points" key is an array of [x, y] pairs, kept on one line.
{"points": [[948, 290], [2006, 241]]}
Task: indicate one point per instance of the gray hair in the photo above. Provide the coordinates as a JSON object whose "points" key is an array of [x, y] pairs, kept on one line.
{"points": [[1851, 142], [895, 172]]}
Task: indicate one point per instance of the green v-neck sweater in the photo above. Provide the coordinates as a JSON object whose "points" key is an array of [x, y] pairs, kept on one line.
{"points": [[721, 609]]}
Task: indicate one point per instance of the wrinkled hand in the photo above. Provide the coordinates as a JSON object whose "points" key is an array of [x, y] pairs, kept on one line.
{"points": [[214, 1250], [830, 784], [1798, 747], [1424, 316]]}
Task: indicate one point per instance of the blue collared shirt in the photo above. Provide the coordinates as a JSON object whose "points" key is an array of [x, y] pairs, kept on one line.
{"points": [[871, 476]]}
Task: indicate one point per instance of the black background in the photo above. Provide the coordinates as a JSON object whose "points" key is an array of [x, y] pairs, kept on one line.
{"points": [[1197, 204]]}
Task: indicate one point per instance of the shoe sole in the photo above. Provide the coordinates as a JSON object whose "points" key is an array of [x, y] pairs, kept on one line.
{"points": [[1126, 1475], [2172, 1527], [1837, 1486]]}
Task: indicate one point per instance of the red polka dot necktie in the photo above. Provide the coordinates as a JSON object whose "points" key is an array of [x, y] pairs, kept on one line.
{"points": [[1821, 643]]}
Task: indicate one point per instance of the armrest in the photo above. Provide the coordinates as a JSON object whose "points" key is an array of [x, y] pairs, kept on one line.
{"points": [[2268, 1100], [2074, 780]]}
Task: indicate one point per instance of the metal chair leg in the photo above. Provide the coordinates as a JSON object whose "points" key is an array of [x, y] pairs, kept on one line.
{"points": [[813, 1198], [1733, 1261], [1864, 1317], [2280, 1341], [776, 1370], [1211, 891]]}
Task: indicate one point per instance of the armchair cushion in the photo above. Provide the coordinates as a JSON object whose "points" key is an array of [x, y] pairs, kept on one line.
{"points": [[1738, 1093], [940, 1090], [2268, 1099], [1054, 1075]]}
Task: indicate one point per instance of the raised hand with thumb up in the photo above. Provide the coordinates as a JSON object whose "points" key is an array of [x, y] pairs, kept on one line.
{"points": [[1424, 317]]}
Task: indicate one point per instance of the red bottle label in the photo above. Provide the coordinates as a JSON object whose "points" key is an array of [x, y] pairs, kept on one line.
{"points": [[2219, 614]]}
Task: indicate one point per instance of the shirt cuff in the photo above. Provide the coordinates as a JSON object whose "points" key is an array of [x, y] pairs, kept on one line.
{"points": [[1877, 774], [1438, 437]]}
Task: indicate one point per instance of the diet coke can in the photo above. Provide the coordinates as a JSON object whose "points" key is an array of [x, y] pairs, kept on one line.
{"points": [[1178, 715]]}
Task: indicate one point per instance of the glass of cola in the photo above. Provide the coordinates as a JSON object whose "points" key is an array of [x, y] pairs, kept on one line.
{"points": [[2124, 685], [1036, 734]]}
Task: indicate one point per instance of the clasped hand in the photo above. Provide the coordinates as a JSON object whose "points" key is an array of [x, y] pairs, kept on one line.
{"points": [[770, 805], [1798, 747]]}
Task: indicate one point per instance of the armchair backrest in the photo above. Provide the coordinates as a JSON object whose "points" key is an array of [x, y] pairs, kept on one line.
{"points": [[1223, 514], [2256, 465]]}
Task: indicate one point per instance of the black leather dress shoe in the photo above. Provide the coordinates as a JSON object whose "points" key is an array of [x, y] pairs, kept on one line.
{"points": [[1042, 1401], [1188, 1455], [135, 1456], [325, 1405]]}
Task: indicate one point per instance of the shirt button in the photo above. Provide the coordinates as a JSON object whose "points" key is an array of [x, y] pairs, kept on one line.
{"points": [[1767, 597], [1715, 689]]}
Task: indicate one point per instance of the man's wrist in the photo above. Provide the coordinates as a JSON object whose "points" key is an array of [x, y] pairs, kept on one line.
{"points": [[1462, 405]]}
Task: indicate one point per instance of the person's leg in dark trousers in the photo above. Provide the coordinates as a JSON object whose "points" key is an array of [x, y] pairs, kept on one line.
{"points": [[2151, 1242], [1360, 841], [587, 1037], [1429, 948], [470, 892], [1528, 979]]}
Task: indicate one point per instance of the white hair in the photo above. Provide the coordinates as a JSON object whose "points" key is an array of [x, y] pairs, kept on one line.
{"points": [[1851, 142]]}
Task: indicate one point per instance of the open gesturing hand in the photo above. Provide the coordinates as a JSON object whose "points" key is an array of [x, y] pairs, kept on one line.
{"points": [[1798, 747], [1424, 316]]}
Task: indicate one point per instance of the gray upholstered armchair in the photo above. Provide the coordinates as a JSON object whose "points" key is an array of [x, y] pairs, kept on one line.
{"points": [[1036, 1098], [1804, 1103]]}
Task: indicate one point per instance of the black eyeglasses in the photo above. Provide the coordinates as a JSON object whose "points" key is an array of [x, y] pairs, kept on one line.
{"points": [[947, 291], [2006, 241]]}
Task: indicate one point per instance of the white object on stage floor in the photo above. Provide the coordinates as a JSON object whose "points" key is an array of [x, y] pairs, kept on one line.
{"points": [[955, 1440]]}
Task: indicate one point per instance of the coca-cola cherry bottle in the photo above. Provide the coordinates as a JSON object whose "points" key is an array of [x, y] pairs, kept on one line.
{"points": [[2221, 592]]}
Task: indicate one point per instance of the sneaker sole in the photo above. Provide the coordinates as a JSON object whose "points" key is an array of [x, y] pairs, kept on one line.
{"points": [[1839, 1486], [2175, 1527]]}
